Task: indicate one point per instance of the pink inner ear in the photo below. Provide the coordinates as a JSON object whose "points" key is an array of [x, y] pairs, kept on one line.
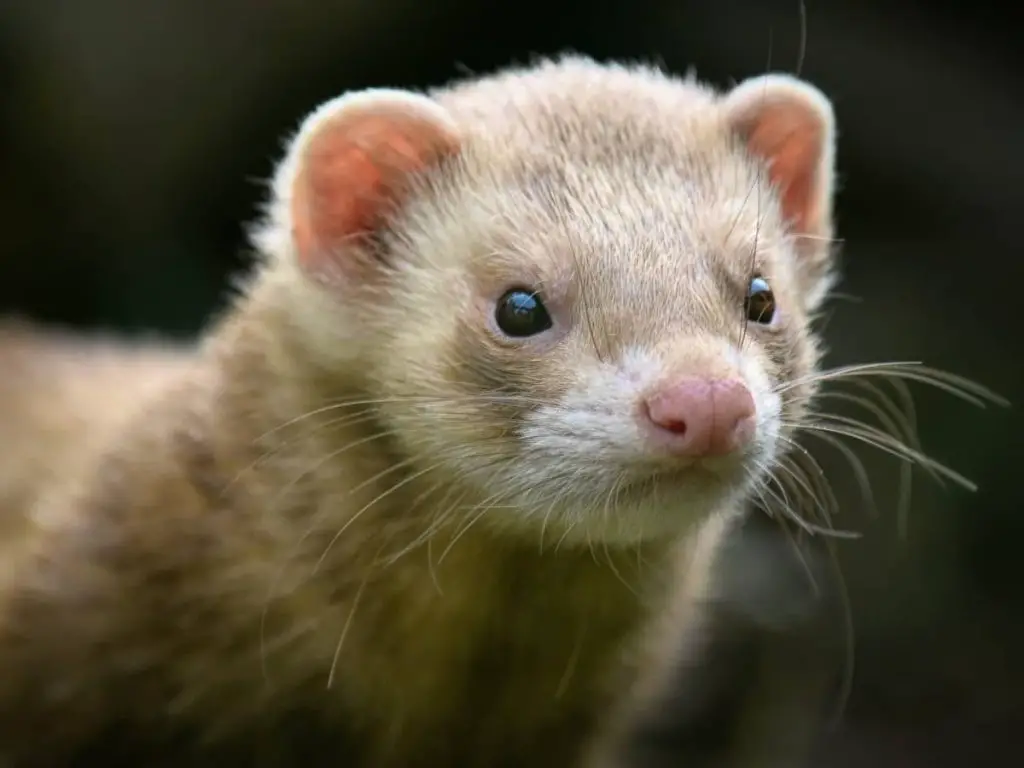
{"points": [[351, 171], [792, 144]]}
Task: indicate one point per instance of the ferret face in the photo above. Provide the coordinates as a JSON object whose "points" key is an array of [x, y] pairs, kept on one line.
{"points": [[592, 317]]}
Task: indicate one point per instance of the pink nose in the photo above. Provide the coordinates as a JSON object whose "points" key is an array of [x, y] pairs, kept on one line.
{"points": [[697, 417]]}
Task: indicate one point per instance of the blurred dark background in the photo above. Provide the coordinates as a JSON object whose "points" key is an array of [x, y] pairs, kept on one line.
{"points": [[134, 139]]}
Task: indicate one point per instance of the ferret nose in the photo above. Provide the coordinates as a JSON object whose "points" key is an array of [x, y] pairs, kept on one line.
{"points": [[697, 417]]}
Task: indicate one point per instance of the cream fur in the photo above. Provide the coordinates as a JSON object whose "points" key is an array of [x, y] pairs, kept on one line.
{"points": [[360, 492]]}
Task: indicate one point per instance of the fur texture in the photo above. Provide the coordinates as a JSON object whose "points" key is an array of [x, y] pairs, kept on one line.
{"points": [[355, 505]]}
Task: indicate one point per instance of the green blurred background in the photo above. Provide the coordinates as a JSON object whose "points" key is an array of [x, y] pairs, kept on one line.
{"points": [[135, 139]]}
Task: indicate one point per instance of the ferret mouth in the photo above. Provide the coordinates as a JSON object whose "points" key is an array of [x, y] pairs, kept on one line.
{"points": [[709, 469], [702, 474]]}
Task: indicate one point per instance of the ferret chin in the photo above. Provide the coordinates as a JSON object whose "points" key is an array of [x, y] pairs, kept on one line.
{"points": [[515, 354]]}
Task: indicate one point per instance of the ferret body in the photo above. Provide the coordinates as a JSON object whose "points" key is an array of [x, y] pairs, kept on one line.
{"points": [[432, 488], [56, 400]]}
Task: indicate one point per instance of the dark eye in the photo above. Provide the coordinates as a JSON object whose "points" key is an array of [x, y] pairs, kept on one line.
{"points": [[520, 313], [760, 302]]}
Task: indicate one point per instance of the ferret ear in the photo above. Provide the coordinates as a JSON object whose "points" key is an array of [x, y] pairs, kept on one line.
{"points": [[790, 125], [348, 167]]}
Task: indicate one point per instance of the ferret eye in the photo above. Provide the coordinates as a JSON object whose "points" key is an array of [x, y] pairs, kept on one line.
{"points": [[521, 313], [760, 302]]}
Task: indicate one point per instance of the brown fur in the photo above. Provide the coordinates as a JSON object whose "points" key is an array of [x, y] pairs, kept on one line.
{"points": [[213, 552]]}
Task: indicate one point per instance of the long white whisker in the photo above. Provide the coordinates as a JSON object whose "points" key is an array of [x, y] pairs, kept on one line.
{"points": [[380, 496]]}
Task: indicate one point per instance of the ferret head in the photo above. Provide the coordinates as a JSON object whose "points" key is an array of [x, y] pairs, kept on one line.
{"points": [[580, 293]]}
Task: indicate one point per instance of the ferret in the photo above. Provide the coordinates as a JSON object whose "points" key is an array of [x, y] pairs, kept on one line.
{"points": [[515, 356], [49, 409]]}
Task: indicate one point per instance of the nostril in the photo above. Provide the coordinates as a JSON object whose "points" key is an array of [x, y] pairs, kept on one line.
{"points": [[675, 426], [666, 418], [702, 417]]}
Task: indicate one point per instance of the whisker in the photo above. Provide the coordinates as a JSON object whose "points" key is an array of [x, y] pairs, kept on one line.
{"points": [[449, 399], [958, 386], [484, 507], [434, 525], [344, 631], [544, 522], [380, 496], [781, 503], [442, 521], [275, 583], [349, 421], [794, 482], [847, 427], [606, 516], [302, 417], [903, 423], [803, 39], [846, 684], [860, 472], [813, 472], [568, 529]]}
